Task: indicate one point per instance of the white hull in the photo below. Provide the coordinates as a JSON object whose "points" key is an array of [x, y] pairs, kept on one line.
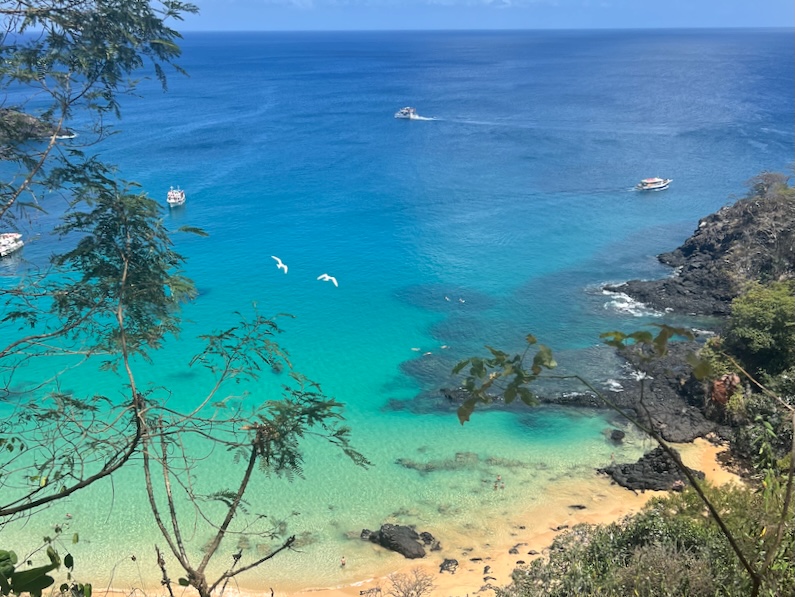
{"points": [[654, 184], [175, 197], [10, 242], [407, 113]]}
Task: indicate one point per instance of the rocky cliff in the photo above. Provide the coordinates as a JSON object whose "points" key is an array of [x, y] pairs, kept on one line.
{"points": [[753, 239], [18, 127]]}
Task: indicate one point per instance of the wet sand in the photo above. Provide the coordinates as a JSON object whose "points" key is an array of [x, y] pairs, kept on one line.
{"points": [[521, 532], [489, 558]]}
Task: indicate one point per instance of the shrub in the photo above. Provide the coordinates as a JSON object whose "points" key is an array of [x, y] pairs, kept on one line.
{"points": [[761, 329], [417, 583], [671, 548]]}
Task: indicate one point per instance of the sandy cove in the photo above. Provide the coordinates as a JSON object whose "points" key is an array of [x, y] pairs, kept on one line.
{"points": [[525, 533], [530, 531]]}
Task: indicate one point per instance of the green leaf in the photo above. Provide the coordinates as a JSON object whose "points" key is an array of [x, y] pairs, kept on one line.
{"points": [[641, 337], [527, 397], [34, 586], [543, 359], [68, 561], [478, 369], [510, 394], [531, 339], [54, 557], [460, 366], [31, 579], [500, 355], [75, 538], [615, 339], [466, 410], [86, 589], [193, 230], [702, 368], [9, 555], [183, 582]]}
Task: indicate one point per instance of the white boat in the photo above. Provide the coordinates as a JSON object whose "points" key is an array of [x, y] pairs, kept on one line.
{"points": [[10, 242], [175, 197], [653, 184], [408, 113]]}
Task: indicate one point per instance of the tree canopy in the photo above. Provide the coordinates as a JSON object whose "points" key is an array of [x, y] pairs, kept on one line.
{"points": [[113, 295]]}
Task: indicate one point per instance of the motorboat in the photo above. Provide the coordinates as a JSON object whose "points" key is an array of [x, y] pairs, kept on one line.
{"points": [[653, 184], [407, 113], [10, 242], [175, 197]]}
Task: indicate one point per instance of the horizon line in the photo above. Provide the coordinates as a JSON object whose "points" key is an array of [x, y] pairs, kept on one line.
{"points": [[492, 29]]}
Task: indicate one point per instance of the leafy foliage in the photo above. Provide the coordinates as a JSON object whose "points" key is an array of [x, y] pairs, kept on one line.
{"points": [[63, 67], [761, 329], [34, 579], [114, 293], [74, 59], [127, 270], [629, 559], [504, 373], [30, 580], [669, 549]]}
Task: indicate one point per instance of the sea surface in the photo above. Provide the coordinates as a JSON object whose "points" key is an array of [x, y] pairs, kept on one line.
{"points": [[501, 213]]}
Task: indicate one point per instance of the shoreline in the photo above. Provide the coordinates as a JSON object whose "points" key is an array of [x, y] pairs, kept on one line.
{"points": [[485, 560], [533, 531]]}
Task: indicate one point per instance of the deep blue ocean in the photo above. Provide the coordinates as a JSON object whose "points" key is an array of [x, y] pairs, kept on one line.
{"points": [[501, 213]]}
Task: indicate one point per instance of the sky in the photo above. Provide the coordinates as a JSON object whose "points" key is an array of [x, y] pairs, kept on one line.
{"points": [[332, 15]]}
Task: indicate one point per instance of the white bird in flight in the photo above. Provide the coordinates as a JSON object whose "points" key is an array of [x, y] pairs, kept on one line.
{"points": [[279, 264], [328, 278]]}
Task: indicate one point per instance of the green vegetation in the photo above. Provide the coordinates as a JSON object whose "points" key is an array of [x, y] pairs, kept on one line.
{"points": [[729, 541], [109, 301], [113, 296], [734, 541], [761, 329], [670, 549]]}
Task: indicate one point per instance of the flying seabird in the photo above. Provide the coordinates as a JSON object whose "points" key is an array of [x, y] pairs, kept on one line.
{"points": [[279, 264], [328, 278]]}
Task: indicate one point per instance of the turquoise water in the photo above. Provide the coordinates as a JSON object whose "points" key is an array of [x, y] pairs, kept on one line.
{"points": [[514, 201]]}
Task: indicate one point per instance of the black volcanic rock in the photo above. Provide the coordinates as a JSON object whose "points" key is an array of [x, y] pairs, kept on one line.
{"points": [[655, 470], [17, 127], [399, 538], [753, 239], [669, 398]]}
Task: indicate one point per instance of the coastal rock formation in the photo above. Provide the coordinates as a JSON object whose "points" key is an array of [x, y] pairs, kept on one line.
{"points": [[17, 127], [402, 539], [753, 239], [671, 400], [655, 470]]}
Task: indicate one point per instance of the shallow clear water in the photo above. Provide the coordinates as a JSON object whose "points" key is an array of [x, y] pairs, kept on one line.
{"points": [[514, 201]]}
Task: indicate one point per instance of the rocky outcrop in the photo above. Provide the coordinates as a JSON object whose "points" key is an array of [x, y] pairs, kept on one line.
{"points": [[402, 539], [655, 471], [753, 239], [17, 127], [668, 398]]}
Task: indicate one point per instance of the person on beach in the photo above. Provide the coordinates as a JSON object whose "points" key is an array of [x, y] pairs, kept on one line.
{"points": [[342, 562]]}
